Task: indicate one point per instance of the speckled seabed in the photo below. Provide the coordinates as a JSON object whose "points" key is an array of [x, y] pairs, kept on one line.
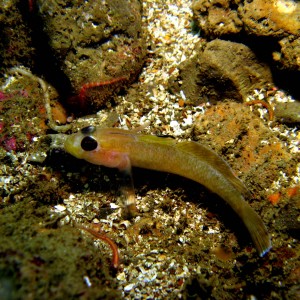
{"points": [[152, 263]]}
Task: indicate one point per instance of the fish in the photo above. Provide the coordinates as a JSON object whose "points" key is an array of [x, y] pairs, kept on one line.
{"points": [[124, 149]]}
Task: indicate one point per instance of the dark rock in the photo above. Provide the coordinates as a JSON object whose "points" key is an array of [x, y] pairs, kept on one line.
{"points": [[95, 42], [16, 47], [224, 70]]}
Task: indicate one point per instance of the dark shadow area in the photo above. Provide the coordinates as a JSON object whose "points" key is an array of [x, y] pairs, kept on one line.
{"points": [[46, 64]]}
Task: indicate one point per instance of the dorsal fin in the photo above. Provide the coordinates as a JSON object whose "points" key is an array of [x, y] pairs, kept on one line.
{"points": [[153, 139], [203, 154]]}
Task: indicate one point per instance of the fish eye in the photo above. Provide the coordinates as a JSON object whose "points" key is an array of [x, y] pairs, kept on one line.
{"points": [[88, 129], [88, 143]]}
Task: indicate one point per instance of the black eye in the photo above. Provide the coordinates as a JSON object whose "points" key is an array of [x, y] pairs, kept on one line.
{"points": [[88, 143], [88, 129]]}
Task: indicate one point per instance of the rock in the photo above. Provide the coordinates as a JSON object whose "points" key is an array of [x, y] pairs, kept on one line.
{"points": [[223, 70], [277, 20], [16, 46], [289, 57], [288, 113], [255, 153], [95, 42], [216, 18]]}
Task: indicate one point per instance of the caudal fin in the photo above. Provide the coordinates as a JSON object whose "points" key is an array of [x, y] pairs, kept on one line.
{"points": [[258, 231]]}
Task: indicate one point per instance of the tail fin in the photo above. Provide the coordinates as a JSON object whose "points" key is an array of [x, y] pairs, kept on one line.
{"points": [[257, 230]]}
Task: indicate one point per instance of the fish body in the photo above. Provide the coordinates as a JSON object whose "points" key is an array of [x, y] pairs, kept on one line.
{"points": [[118, 148]]}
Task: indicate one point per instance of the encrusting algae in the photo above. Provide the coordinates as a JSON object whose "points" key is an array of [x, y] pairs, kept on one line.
{"points": [[122, 149]]}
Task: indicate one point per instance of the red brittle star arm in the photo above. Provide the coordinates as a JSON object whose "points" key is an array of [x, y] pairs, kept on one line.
{"points": [[106, 239]]}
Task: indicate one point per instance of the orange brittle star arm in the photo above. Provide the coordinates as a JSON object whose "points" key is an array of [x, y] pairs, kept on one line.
{"points": [[264, 104], [106, 239], [82, 93]]}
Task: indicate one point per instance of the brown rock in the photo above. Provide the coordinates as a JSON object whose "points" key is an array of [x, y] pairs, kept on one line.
{"points": [[288, 113], [216, 18], [95, 42], [259, 17], [289, 57], [224, 70], [279, 20], [254, 152]]}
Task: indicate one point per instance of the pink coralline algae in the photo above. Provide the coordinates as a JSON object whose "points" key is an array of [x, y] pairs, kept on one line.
{"points": [[10, 141], [5, 96], [10, 144]]}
